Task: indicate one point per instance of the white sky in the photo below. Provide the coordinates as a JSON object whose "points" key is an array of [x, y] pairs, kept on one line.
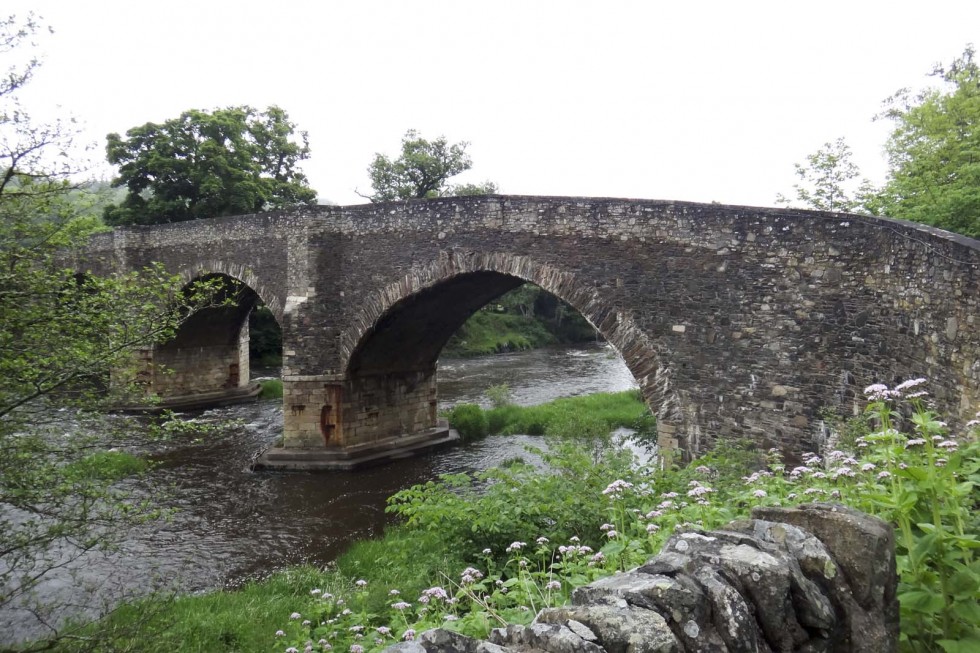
{"points": [[701, 101]]}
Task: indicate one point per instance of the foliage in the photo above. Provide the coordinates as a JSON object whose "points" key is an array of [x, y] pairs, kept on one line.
{"points": [[60, 335], [499, 395], [934, 166], [488, 332], [265, 338], [469, 420], [423, 170], [207, 164], [271, 389], [825, 181]]}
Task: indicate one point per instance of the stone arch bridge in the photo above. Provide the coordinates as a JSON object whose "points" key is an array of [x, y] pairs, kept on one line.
{"points": [[735, 321]]}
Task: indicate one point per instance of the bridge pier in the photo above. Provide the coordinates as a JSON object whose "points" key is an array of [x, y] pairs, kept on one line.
{"points": [[345, 423]]}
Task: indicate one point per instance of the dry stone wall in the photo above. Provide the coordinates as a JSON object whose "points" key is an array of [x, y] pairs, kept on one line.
{"points": [[817, 578], [735, 321]]}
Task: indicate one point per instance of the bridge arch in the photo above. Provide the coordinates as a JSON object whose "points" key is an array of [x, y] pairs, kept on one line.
{"points": [[240, 273], [402, 328]]}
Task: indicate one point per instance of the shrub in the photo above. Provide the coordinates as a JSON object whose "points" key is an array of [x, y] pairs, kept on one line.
{"points": [[469, 420]]}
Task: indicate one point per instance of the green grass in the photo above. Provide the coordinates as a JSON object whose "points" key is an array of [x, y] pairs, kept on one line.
{"points": [[247, 618], [601, 411], [271, 389]]}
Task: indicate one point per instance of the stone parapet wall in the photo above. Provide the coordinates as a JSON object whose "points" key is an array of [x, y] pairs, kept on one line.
{"points": [[817, 578]]}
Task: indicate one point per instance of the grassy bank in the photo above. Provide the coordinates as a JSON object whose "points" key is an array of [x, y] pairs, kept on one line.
{"points": [[487, 332], [476, 551], [588, 416]]}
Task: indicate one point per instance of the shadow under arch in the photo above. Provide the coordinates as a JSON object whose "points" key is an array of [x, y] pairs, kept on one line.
{"points": [[403, 326], [209, 353]]}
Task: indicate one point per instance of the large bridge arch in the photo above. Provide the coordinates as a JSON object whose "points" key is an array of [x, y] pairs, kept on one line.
{"points": [[402, 327]]}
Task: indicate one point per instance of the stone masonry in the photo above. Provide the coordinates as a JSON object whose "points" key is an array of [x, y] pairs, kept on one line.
{"points": [[735, 321], [816, 578]]}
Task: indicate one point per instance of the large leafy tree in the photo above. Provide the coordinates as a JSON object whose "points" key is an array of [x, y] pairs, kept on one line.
{"points": [[934, 150], [829, 181], [423, 170], [60, 335], [207, 164]]}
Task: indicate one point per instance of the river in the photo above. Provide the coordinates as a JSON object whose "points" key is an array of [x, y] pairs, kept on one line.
{"points": [[231, 524]]}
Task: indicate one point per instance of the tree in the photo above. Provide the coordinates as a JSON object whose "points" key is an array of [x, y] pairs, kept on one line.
{"points": [[422, 170], [60, 335], [934, 150], [204, 165], [826, 181]]}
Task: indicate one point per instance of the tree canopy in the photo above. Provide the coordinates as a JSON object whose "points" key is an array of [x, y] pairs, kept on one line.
{"points": [[423, 170], [204, 164], [934, 150], [827, 181]]}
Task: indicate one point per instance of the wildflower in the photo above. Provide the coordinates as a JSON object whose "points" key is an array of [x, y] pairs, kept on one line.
{"points": [[702, 469], [941, 462], [585, 549], [868, 467], [574, 538], [598, 557], [361, 582], [487, 552], [836, 455], [653, 514], [652, 528], [292, 649], [813, 490], [606, 527], [523, 563], [878, 392], [394, 592], [356, 648], [617, 487], [791, 496], [797, 471], [295, 615], [759, 494], [699, 491], [665, 505], [843, 471], [314, 592], [948, 444], [383, 630], [917, 395], [669, 495], [818, 475], [972, 423], [611, 534], [553, 585], [434, 593], [322, 642], [450, 617], [883, 475], [516, 546], [908, 385], [542, 540], [306, 622], [280, 633], [914, 442], [409, 635], [471, 575], [401, 605]]}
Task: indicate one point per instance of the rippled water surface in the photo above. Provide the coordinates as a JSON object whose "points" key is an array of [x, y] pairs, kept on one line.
{"points": [[231, 523]]}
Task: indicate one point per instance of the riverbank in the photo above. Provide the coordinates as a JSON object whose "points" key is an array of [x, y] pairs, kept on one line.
{"points": [[477, 550]]}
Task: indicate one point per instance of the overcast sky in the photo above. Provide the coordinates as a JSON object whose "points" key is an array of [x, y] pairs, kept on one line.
{"points": [[701, 101]]}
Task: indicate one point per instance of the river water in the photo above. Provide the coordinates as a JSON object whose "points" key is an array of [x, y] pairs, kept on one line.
{"points": [[231, 523]]}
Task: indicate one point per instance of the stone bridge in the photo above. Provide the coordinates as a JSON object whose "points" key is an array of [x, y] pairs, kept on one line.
{"points": [[735, 321]]}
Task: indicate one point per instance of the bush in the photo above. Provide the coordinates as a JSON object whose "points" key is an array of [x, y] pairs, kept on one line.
{"points": [[271, 389], [469, 420]]}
